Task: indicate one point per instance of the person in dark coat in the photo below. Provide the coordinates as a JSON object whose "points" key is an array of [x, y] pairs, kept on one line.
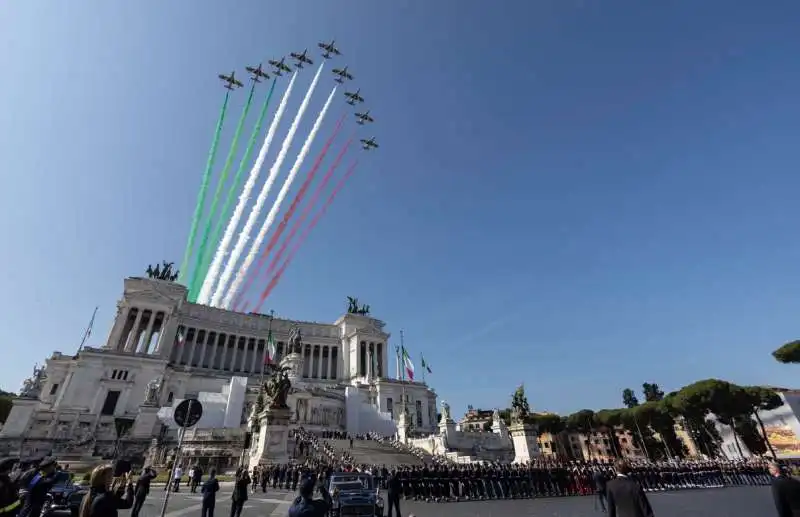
{"points": [[34, 485], [239, 496], [600, 485], [9, 492], [785, 492], [626, 497], [209, 490], [107, 495], [394, 490], [142, 489], [306, 506]]}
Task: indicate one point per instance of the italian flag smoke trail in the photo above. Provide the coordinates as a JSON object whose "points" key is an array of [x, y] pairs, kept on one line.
{"points": [[300, 220], [194, 286], [222, 250], [201, 196], [298, 198], [304, 236], [273, 212], [244, 236], [237, 180]]}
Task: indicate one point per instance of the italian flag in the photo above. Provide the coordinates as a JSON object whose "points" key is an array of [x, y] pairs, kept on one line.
{"points": [[407, 363], [271, 351]]}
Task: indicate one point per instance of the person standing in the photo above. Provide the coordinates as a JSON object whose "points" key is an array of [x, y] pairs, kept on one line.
{"points": [[239, 495], [306, 506], [394, 489], [785, 491], [195, 477], [107, 495], [626, 497], [34, 486], [177, 474], [600, 486], [9, 496], [141, 490], [209, 491]]}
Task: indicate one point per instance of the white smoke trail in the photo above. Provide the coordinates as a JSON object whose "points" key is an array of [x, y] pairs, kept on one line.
{"points": [[244, 236], [248, 261], [216, 265]]}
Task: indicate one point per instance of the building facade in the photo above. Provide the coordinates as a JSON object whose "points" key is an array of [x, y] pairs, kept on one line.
{"points": [[162, 348]]}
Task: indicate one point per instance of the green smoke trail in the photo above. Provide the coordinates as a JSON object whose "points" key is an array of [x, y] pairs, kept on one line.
{"points": [[237, 180], [201, 196], [194, 287]]}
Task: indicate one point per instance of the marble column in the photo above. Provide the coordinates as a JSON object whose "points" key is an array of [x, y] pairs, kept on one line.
{"points": [[133, 337], [148, 334], [115, 335], [204, 348]]}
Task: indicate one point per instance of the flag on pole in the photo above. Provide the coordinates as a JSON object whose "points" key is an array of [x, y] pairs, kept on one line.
{"points": [[407, 363], [270, 352], [425, 366]]}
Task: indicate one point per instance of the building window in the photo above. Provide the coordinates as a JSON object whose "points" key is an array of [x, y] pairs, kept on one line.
{"points": [[419, 413], [170, 396], [110, 405], [390, 407], [53, 389]]}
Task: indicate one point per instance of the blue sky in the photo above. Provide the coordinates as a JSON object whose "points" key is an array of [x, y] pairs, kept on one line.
{"points": [[581, 196]]}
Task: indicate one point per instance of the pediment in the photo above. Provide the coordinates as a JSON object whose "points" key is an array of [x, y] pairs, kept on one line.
{"points": [[153, 291]]}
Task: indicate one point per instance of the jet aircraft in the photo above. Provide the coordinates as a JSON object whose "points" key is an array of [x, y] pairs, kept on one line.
{"points": [[364, 117], [230, 81], [354, 97], [279, 66], [342, 75], [258, 74], [329, 49], [301, 58], [369, 144]]}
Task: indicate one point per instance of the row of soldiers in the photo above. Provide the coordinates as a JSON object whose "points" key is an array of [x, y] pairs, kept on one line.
{"points": [[442, 483]]}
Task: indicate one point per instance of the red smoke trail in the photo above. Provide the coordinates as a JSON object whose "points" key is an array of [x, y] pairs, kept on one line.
{"points": [[289, 213], [307, 209], [304, 236]]}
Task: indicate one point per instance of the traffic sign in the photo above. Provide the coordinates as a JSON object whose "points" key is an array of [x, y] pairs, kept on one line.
{"points": [[188, 413]]}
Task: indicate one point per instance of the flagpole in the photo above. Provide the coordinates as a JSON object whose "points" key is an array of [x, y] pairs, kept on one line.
{"points": [[422, 366], [266, 347], [88, 331], [403, 375]]}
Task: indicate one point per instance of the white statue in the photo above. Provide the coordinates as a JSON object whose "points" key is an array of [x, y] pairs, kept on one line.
{"points": [[445, 412], [496, 416], [152, 392], [32, 386]]}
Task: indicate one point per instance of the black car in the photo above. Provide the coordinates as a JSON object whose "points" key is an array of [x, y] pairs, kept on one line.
{"points": [[65, 496]]}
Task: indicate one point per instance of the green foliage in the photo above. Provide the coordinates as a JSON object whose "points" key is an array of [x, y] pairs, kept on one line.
{"points": [[548, 423], [752, 439], [629, 399], [6, 402], [581, 421], [788, 353], [652, 393]]}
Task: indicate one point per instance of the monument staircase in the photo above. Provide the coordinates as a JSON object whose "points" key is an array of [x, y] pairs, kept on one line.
{"points": [[372, 452]]}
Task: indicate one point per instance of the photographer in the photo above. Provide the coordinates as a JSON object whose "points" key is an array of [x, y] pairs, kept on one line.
{"points": [[35, 486], [306, 506], [107, 494]]}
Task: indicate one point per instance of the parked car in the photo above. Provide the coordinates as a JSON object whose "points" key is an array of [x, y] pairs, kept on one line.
{"points": [[355, 494], [65, 496]]}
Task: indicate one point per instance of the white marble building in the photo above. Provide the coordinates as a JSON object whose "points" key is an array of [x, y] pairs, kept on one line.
{"points": [[160, 339]]}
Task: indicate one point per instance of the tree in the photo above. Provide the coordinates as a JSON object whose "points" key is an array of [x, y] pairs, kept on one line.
{"points": [[788, 353], [764, 399], [582, 422], [652, 393], [608, 420], [629, 399], [6, 403]]}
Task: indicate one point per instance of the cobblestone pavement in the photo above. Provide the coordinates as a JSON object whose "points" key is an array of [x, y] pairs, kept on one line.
{"points": [[727, 502]]}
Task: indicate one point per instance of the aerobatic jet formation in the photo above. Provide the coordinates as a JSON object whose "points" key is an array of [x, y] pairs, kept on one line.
{"points": [[329, 49], [369, 144], [342, 75], [301, 58], [257, 73], [361, 118], [354, 98], [230, 81], [278, 67]]}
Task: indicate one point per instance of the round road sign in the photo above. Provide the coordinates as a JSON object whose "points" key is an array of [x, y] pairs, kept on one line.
{"points": [[188, 413]]}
